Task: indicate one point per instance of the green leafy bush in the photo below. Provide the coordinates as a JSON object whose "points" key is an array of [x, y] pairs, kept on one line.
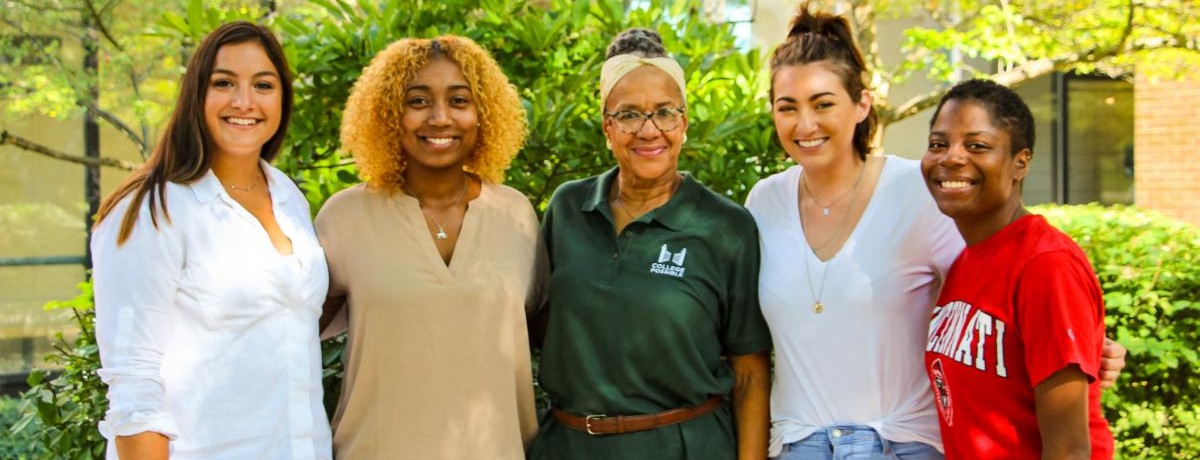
{"points": [[1149, 269], [62, 410], [552, 54], [16, 442]]}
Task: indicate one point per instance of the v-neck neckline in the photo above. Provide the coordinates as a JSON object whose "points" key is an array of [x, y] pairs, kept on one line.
{"points": [[464, 246], [794, 204]]}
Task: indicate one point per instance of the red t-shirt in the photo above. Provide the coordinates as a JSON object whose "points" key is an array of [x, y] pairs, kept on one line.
{"points": [[1015, 309]]}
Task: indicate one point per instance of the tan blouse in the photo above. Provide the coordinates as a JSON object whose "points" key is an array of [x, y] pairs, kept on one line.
{"points": [[438, 357]]}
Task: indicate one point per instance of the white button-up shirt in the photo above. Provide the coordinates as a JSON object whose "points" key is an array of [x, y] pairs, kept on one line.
{"points": [[207, 334]]}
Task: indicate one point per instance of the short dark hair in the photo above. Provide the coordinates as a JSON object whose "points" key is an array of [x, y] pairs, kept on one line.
{"points": [[1008, 111]]}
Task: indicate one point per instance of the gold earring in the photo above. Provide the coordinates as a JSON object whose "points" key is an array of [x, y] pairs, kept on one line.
{"points": [[608, 143], [684, 138]]}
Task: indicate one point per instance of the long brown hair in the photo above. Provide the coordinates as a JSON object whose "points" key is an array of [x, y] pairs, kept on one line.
{"points": [[827, 38], [184, 152]]}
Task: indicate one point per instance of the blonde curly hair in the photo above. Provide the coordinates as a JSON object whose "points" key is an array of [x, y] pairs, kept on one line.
{"points": [[371, 127]]}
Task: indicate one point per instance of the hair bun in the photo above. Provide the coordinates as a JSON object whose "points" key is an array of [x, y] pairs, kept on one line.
{"points": [[826, 25], [644, 42]]}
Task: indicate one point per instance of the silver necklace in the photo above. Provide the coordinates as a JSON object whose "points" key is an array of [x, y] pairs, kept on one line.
{"points": [[441, 230], [824, 207], [817, 293]]}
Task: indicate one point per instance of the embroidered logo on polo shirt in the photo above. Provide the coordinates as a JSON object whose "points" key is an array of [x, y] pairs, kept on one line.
{"points": [[669, 263]]}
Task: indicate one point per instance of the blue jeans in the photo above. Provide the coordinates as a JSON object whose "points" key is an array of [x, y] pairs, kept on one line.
{"points": [[855, 443]]}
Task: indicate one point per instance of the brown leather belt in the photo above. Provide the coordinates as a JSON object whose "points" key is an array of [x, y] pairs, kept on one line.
{"points": [[620, 424]]}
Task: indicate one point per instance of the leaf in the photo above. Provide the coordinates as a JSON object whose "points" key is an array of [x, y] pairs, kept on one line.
{"points": [[197, 25]]}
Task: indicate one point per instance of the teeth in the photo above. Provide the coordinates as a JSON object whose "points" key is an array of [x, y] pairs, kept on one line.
{"points": [[955, 184], [242, 121], [811, 143], [439, 140], [649, 152]]}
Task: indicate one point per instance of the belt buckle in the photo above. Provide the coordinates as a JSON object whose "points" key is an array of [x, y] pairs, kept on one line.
{"points": [[587, 423]]}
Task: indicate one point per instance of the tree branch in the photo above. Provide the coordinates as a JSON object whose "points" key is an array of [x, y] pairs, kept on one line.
{"points": [[26, 144], [118, 124], [338, 164], [914, 105], [99, 22], [1013, 77], [1128, 32]]}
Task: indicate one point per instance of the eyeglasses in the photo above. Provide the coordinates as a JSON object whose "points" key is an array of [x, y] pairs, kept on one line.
{"points": [[632, 121]]}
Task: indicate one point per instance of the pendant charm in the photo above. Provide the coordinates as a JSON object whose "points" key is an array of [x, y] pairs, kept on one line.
{"points": [[818, 308], [825, 211], [441, 234]]}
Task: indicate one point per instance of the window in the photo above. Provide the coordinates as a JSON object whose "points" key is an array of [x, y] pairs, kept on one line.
{"points": [[1084, 147]]}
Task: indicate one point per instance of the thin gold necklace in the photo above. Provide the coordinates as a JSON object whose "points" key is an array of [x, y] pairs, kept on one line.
{"points": [[817, 293], [441, 231], [824, 207], [247, 189]]}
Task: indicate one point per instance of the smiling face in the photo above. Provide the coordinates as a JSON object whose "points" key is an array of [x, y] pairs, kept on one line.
{"points": [[440, 119], [244, 101], [814, 115], [650, 154], [971, 170]]}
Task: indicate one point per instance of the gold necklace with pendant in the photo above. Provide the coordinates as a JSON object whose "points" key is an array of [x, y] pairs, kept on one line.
{"points": [[816, 294]]}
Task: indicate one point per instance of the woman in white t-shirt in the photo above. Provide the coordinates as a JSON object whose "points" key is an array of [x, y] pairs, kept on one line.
{"points": [[853, 253]]}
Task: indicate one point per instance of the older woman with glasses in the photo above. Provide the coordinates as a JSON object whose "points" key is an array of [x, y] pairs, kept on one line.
{"points": [[654, 344]]}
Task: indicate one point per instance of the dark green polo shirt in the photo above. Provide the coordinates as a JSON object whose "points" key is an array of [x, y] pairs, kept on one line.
{"points": [[639, 321]]}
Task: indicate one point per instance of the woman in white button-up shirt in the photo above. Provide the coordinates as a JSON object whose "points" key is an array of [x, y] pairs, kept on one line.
{"points": [[208, 277]]}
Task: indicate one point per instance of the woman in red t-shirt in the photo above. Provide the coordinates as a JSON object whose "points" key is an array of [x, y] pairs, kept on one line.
{"points": [[1014, 344]]}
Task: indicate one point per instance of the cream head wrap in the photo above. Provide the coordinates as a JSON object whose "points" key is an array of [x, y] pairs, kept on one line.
{"points": [[616, 67]]}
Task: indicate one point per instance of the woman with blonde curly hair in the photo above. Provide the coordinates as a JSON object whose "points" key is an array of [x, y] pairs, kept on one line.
{"points": [[432, 260]]}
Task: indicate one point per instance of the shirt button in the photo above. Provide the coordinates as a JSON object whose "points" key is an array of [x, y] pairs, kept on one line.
{"points": [[837, 433], [628, 233], [614, 256]]}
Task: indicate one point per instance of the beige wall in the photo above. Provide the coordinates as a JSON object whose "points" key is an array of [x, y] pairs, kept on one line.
{"points": [[41, 206], [42, 210]]}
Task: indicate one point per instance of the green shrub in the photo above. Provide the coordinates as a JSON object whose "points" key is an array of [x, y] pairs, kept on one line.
{"points": [[553, 55], [16, 442], [1149, 269], [63, 410]]}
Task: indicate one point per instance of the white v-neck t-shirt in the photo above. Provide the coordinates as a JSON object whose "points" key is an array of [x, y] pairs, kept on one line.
{"points": [[860, 361]]}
